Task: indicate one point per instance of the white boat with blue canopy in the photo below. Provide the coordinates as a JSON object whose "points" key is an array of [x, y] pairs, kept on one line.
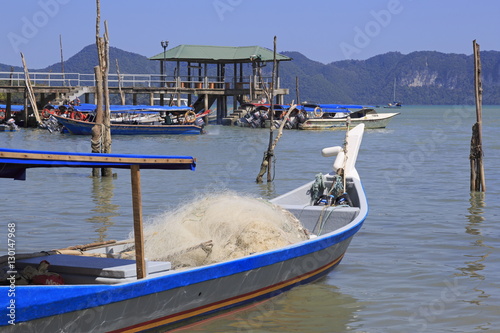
{"points": [[124, 295], [335, 116]]}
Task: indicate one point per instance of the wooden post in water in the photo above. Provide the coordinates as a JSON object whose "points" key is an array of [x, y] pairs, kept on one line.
{"points": [[270, 152], [477, 179], [266, 165], [297, 89], [122, 95], [101, 132], [8, 107], [98, 128], [31, 94], [104, 64], [26, 104]]}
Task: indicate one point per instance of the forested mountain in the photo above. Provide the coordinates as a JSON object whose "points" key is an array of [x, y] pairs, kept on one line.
{"points": [[421, 78], [85, 61], [424, 77]]}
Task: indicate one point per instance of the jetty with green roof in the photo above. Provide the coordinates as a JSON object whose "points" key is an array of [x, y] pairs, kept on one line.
{"points": [[206, 71]]}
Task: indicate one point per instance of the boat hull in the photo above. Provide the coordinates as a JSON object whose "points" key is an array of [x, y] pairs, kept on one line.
{"points": [[78, 127], [186, 302], [372, 121], [177, 298]]}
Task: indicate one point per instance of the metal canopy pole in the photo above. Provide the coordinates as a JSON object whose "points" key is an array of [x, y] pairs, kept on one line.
{"points": [[138, 231]]}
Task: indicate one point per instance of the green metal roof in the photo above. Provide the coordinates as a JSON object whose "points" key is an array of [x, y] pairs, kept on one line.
{"points": [[218, 54]]}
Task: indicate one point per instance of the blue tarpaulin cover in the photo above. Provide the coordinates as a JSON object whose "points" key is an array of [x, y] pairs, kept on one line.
{"points": [[12, 107], [84, 107], [333, 107]]}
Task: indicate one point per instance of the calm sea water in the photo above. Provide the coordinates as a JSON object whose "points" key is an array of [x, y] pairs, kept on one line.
{"points": [[426, 259]]}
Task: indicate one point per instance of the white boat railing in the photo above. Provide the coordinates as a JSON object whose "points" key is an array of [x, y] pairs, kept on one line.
{"points": [[51, 79]]}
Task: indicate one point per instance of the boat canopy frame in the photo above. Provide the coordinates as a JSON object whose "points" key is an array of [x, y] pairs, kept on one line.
{"points": [[14, 162]]}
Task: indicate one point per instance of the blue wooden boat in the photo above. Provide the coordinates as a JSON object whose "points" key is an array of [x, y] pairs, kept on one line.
{"points": [[80, 127], [120, 295], [131, 119]]}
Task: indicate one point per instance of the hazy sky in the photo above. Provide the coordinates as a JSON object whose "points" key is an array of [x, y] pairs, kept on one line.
{"points": [[322, 30]]}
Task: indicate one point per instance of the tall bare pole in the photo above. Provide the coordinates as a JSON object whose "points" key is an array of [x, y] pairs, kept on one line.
{"points": [[297, 89], [477, 179], [266, 165], [62, 59], [101, 133], [8, 108], [122, 95], [30, 92], [107, 112], [271, 100]]}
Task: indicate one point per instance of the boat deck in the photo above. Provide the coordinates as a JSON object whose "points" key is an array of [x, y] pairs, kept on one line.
{"points": [[94, 270]]}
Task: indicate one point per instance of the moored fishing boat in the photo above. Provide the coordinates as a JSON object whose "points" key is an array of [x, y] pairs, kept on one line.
{"points": [[133, 120], [80, 127], [393, 105], [9, 125], [258, 116], [106, 295], [335, 116]]}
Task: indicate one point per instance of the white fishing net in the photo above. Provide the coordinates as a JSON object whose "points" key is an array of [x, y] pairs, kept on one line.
{"points": [[219, 227]]}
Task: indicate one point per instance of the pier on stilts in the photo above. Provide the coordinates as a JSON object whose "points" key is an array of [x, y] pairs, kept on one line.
{"points": [[207, 77]]}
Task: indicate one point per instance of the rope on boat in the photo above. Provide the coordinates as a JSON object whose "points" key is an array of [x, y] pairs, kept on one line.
{"points": [[337, 187], [318, 227], [317, 189]]}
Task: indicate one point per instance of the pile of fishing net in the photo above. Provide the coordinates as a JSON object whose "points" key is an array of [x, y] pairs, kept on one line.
{"points": [[215, 228]]}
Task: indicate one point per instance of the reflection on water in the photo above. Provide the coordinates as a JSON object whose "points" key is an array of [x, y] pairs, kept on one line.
{"points": [[317, 307], [476, 211], [105, 210], [474, 268], [267, 190]]}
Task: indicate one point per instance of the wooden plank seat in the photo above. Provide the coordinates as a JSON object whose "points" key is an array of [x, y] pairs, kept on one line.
{"points": [[85, 270]]}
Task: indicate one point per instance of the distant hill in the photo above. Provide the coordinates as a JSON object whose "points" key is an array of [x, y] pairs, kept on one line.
{"points": [[6, 68], [85, 61], [424, 77]]}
